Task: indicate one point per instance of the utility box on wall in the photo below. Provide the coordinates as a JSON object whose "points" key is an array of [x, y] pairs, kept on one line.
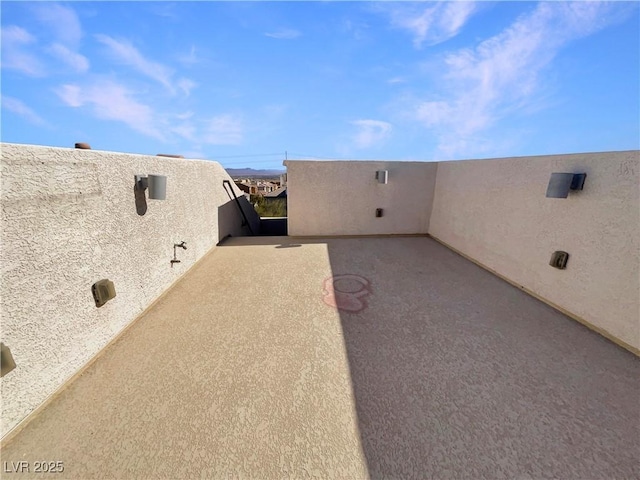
{"points": [[559, 260], [7, 362], [103, 291]]}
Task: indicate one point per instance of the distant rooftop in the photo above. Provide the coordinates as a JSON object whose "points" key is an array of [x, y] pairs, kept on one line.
{"points": [[280, 192]]}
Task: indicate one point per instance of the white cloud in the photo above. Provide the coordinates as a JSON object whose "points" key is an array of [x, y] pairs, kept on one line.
{"points": [[194, 154], [127, 54], [186, 85], [16, 35], [71, 95], [191, 58], [76, 61], [186, 131], [284, 34], [109, 100], [223, 130], [23, 62], [502, 74], [434, 113], [18, 107], [66, 32], [61, 20], [432, 24], [370, 132], [112, 101], [14, 53]]}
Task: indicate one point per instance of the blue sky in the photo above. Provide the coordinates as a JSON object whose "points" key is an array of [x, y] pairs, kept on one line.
{"points": [[244, 82]]}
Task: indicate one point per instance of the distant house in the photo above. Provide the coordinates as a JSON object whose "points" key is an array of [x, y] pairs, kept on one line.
{"points": [[278, 193], [265, 187], [244, 187], [257, 187], [247, 188]]}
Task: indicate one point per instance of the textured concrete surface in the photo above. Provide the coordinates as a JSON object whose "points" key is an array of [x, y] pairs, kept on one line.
{"points": [[496, 212], [434, 368], [341, 197], [70, 218]]}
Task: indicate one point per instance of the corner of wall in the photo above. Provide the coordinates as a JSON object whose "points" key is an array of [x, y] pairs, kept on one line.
{"points": [[433, 198]]}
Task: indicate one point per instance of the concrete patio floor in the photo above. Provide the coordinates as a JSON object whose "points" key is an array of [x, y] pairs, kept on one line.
{"points": [[433, 369]]}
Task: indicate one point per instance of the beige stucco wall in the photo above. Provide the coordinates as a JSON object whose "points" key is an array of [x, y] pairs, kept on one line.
{"points": [[69, 218], [496, 212], [341, 197]]}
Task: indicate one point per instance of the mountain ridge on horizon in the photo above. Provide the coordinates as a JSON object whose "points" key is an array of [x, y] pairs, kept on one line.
{"points": [[248, 171]]}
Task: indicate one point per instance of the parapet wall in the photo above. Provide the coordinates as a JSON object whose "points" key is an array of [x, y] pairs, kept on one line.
{"points": [[496, 212], [341, 197], [70, 218]]}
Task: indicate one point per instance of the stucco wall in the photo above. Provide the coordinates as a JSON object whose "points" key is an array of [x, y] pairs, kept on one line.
{"points": [[341, 197], [69, 218], [496, 212]]}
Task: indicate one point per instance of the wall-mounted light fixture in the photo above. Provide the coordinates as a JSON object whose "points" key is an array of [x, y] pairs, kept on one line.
{"points": [[157, 185], [382, 176], [561, 183]]}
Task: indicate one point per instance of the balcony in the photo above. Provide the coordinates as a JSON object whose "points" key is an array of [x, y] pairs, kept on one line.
{"points": [[323, 356]]}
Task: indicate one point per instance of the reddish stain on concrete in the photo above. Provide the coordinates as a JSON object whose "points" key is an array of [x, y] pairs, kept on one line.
{"points": [[346, 292]]}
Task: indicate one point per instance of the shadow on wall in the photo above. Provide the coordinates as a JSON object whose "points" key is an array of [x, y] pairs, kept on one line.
{"points": [[141, 200], [273, 226], [457, 374], [231, 222]]}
